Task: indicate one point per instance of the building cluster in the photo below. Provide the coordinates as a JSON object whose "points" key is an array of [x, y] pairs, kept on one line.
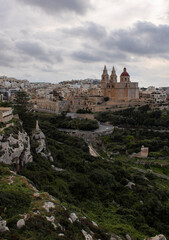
{"points": [[87, 95], [154, 95], [9, 87]]}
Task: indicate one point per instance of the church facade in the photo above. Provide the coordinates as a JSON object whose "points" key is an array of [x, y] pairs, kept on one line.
{"points": [[122, 91]]}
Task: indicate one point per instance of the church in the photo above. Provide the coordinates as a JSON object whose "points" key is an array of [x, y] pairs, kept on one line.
{"points": [[122, 91]]}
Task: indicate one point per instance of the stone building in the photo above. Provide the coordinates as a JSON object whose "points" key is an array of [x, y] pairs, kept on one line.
{"points": [[46, 105], [122, 91], [6, 114]]}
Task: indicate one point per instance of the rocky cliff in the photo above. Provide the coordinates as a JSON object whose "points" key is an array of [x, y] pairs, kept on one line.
{"points": [[15, 147], [39, 139]]}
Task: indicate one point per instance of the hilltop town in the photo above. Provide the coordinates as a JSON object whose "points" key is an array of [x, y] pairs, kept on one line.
{"points": [[106, 94]]}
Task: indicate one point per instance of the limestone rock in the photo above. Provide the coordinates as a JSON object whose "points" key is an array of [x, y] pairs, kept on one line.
{"points": [[130, 185], [70, 220], [37, 195], [52, 220], [57, 169], [115, 237], [3, 227], [20, 223], [40, 139], [48, 205], [61, 227], [51, 159], [86, 235], [61, 235], [128, 237], [95, 224], [158, 237], [73, 217], [16, 149]]}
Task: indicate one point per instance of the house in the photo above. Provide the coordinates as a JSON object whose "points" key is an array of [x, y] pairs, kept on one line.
{"points": [[6, 114]]}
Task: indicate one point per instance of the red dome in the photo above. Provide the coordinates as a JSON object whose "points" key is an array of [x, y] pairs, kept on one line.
{"points": [[125, 73]]}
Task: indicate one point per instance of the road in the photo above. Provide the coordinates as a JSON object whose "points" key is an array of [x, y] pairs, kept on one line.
{"points": [[104, 128]]}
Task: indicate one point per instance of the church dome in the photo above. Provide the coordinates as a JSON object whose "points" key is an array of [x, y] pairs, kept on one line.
{"points": [[125, 73]]}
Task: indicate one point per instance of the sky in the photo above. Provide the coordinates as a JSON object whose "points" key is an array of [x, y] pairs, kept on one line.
{"points": [[58, 40]]}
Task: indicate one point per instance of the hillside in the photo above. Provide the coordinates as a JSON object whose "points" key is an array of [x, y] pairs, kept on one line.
{"points": [[101, 189], [111, 192], [30, 214]]}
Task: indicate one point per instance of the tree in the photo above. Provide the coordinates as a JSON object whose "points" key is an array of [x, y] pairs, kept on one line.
{"points": [[106, 99], [21, 102]]}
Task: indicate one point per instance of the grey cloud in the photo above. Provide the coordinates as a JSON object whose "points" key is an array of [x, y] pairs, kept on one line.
{"points": [[54, 6], [143, 39], [84, 56], [7, 56], [97, 55], [88, 30], [36, 50]]}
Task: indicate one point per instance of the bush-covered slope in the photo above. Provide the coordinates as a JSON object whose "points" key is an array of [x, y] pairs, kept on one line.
{"points": [[117, 197], [30, 214], [142, 117]]}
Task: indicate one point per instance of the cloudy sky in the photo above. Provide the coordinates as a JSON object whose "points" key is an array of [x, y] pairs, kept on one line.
{"points": [[57, 40]]}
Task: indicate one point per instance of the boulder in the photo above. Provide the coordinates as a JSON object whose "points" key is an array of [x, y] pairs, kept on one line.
{"points": [[128, 237], [20, 223], [73, 217], [157, 237], [3, 227]]}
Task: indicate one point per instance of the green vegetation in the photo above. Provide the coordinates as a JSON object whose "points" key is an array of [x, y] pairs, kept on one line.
{"points": [[19, 200], [142, 117], [130, 141], [84, 111], [98, 188], [5, 104], [21, 102], [61, 121]]}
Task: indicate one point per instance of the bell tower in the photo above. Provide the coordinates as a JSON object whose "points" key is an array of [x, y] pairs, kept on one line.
{"points": [[105, 78], [113, 77]]}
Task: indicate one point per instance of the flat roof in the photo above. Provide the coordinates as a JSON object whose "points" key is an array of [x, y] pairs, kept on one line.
{"points": [[5, 109]]}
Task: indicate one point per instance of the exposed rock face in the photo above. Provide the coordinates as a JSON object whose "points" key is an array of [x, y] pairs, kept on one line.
{"points": [[39, 136], [15, 149]]}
